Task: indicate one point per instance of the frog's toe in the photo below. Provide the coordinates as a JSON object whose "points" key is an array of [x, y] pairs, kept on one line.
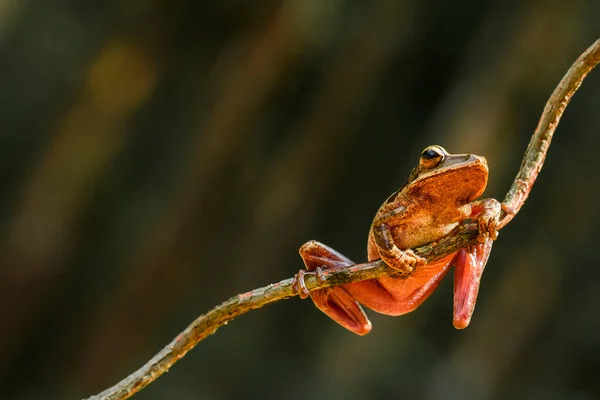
{"points": [[488, 226], [299, 286], [489, 220], [404, 262], [417, 260]]}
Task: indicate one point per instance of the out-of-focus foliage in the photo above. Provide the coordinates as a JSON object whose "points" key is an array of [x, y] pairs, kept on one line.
{"points": [[158, 157]]}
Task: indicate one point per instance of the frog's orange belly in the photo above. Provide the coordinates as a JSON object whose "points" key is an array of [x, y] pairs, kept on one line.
{"points": [[396, 296]]}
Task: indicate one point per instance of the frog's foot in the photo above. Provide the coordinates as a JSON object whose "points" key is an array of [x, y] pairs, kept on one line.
{"points": [[299, 285], [489, 218], [404, 261], [335, 301]]}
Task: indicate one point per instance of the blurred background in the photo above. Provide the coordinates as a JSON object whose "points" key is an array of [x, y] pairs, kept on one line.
{"points": [[158, 157]]}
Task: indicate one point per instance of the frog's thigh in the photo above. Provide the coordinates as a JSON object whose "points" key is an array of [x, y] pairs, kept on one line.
{"points": [[397, 296]]}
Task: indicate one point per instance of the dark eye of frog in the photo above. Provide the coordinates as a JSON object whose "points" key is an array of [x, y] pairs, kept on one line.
{"points": [[431, 157]]}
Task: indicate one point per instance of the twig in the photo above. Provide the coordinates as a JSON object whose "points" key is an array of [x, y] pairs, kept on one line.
{"points": [[465, 235], [534, 157]]}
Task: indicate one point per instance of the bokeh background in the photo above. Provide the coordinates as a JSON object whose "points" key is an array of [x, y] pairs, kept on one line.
{"points": [[158, 157]]}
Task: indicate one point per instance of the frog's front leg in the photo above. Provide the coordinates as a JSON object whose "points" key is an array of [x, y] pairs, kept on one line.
{"points": [[336, 302], [404, 261], [487, 214]]}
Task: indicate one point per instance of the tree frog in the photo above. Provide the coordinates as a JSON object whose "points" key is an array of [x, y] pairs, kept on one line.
{"points": [[441, 192]]}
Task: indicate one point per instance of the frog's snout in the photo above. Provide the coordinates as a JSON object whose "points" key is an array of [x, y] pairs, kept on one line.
{"points": [[479, 160]]}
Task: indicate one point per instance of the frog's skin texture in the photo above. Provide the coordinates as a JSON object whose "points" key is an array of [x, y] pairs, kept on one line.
{"points": [[440, 194]]}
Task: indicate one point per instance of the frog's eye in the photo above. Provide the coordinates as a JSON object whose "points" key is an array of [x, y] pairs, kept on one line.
{"points": [[432, 156]]}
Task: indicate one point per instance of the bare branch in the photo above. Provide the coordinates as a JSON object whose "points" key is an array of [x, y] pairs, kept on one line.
{"points": [[463, 236], [534, 157]]}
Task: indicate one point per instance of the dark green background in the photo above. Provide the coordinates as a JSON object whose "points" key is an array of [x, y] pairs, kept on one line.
{"points": [[158, 157]]}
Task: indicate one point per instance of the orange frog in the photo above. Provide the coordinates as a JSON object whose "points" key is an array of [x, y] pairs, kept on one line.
{"points": [[439, 195]]}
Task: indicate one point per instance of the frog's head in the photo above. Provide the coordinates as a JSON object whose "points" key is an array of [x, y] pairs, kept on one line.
{"points": [[452, 176]]}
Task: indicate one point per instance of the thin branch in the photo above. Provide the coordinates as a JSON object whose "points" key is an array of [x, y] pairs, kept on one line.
{"points": [[534, 157], [465, 235]]}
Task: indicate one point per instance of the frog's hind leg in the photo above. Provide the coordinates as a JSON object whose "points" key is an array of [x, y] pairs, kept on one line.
{"points": [[336, 302], [467, 276]]}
